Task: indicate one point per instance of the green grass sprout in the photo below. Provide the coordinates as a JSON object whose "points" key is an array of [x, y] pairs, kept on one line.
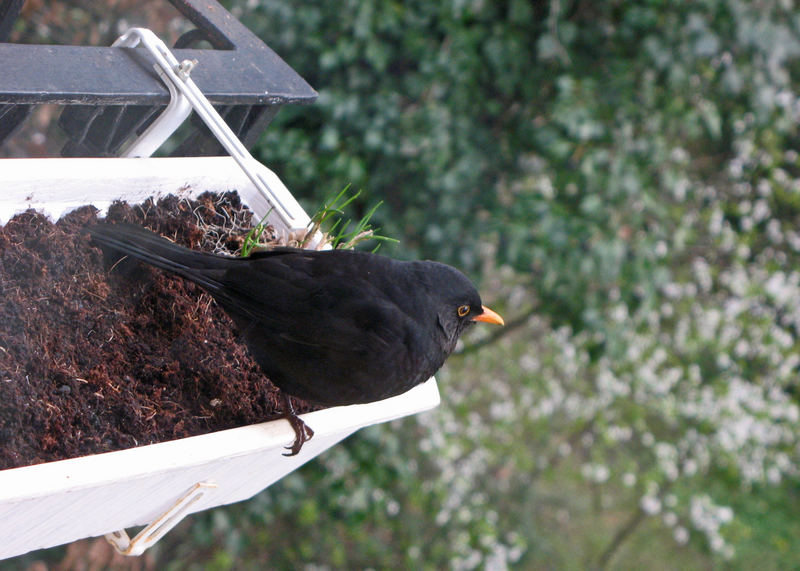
{"points": [[339, 233], [253, 237]]}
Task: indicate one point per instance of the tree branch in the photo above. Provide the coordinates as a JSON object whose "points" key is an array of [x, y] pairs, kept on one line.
{"points": [[626, 531], [619, 538]]}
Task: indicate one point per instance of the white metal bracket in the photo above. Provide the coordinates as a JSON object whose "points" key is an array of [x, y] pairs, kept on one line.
{"points": [[178, 108], [185, 95], [165, 522]]}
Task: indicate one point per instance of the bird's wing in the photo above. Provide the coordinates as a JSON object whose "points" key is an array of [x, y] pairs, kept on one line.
{"points": [[324, 336], [323, 312], [359, 352]]}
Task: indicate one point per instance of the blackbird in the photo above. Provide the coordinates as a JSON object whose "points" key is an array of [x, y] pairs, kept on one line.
{"points": [[332, 327]]}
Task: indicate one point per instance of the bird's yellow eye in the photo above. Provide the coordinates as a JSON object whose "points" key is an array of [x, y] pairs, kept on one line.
{"points": [[463, 310]]}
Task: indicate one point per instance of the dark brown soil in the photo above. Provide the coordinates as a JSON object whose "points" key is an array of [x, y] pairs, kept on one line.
{"points": [[95, 358]]}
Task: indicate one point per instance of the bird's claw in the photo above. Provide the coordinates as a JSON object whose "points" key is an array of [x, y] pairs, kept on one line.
{"points": [[302, 432]]}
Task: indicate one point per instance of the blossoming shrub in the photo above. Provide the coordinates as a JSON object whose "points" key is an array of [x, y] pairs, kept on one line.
{"points": [[627, 175]]}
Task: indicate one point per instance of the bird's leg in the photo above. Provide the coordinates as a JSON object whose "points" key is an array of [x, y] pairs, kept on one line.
{"points": [[302, 432]]}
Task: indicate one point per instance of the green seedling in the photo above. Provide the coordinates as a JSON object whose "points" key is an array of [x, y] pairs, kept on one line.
{"points": [[339, 234], [253, 237]]}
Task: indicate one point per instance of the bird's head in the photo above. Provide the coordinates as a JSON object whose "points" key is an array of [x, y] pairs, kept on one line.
{"points": [[459, 303]]}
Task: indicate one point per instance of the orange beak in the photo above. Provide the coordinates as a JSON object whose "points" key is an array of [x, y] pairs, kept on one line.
{"points": [[489, 316]]}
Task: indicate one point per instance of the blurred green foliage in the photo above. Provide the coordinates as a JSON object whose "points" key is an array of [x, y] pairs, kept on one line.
{"points": [[624, 171], [624, 177]]}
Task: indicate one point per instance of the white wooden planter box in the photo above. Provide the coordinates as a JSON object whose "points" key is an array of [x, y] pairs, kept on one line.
{"points": [[49, 504]]}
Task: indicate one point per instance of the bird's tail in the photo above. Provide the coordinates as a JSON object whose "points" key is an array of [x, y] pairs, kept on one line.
{"points": [[149, 247]]}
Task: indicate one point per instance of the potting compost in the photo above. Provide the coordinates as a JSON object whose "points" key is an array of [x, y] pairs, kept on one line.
{"points": [[96, 358]]}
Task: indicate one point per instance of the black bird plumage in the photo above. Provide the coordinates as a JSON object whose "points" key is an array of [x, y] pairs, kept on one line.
{"points": [[330, 327]]}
